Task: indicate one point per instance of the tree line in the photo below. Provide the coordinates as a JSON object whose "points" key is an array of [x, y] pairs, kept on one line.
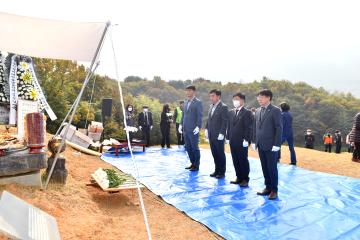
{"points": [[313, 108]]}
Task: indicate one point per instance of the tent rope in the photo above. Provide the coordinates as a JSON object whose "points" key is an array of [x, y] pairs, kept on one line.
{"points": [[129, 142]]}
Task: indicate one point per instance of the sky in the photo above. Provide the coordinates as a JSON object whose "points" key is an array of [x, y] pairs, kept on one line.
{"points": [[313, 41]]}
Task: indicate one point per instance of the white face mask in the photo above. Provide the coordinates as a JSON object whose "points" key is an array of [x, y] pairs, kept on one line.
{"points": [[236, 103], [130, 109], [146, 110]]}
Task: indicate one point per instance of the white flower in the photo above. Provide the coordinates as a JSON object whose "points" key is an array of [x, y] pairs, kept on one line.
{"points": [[24, 66]]}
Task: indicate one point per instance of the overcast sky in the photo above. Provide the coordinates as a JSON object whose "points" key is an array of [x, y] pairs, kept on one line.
{"points": [[315, 41]]}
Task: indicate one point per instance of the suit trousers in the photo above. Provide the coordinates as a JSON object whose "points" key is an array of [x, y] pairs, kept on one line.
{"points": [[218, 151], [241, 162], [192, 148], [146, 135], [290, 141], [268, 161]]}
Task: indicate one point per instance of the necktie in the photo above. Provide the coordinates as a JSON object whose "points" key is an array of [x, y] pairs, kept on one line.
{"points": [[237, 111], [262, 111], [212, 110], [188, 105], [146, 119]]}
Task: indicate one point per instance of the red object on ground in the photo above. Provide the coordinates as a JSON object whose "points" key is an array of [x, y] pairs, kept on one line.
{"points": [[36, 134], [124, 145]]}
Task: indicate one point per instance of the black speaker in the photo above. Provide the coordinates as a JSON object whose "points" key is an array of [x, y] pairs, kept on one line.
{"points": [[106, 108]]}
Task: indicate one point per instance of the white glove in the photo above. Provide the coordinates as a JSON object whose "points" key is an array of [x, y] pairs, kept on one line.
{"points": [[151, 127], [253, 146], [140, 127], [206, 134], [196, 130], [180, 129], [245, 143], [275, 149], [227, 141], [220, 137]]}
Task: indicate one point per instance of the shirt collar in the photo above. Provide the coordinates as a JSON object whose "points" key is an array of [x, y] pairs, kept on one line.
{"points": [[215, 105], [265, 107]]}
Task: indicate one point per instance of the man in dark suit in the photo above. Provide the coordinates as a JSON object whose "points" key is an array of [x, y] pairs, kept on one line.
{"points": [[191, 124], [267, 134], [239, 135], [215, 131], [145, 122]]}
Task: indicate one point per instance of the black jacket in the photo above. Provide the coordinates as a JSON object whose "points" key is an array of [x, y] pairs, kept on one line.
{"points": [[240, 126], [142, 121], [218, 122], [355, 132]]}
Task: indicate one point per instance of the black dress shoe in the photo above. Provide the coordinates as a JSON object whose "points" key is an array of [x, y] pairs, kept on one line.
{"points": [[219, 176], [264, 192], [213, 174], [244, 184], [194, 169], [189, 167], [237, 181], [293, 164], [273, 195]]}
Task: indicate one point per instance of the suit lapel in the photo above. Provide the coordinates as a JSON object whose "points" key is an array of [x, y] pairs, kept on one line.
{"points": [[266, 114], [216, 109], [238, 116]]}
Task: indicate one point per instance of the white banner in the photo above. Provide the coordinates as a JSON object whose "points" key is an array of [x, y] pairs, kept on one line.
{"points": [[13, 84]]}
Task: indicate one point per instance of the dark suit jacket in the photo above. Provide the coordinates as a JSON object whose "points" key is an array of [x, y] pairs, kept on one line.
{"points": [[268, 132], [218, 122], [192, 117], [240, 126], [287, 120], [142, 122]]}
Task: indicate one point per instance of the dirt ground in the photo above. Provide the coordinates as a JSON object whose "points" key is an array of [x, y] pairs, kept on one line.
{"points": [[85, 212]]}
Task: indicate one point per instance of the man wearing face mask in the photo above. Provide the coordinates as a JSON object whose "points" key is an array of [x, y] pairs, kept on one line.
{"points": [[215, 132], [190, 125], [267, 134], [239, 135], [145, 122]]}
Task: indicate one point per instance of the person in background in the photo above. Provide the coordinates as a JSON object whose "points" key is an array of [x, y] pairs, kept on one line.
{"points": [[191, 125], [309, 139], [328, 141], [355, 138], [338, 141], [239, 135], [287, 134], [166, 119], [130, 118], [267, 134], [349, 144], [215, 131], [177, 120], [145, 122]]}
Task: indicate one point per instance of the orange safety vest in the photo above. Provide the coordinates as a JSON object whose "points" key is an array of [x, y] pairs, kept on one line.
{"points": [[328, 140]]}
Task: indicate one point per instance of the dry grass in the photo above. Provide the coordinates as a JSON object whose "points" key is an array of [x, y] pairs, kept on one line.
{"points": [[315, 160]]}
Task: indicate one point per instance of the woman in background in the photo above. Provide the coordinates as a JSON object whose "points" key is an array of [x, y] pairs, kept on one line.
{"points": [[166, 119], [355, 138], [287, 134], [130, 118]]}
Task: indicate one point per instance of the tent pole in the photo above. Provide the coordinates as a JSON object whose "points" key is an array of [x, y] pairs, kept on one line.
{"points": [[77, 101]]}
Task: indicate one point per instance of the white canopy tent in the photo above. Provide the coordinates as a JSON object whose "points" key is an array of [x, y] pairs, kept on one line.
{"points": [[65, 40], [45, 38]]}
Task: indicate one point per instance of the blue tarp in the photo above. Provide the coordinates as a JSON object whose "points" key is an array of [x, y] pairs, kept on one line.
{"points": [[311, 205]]}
